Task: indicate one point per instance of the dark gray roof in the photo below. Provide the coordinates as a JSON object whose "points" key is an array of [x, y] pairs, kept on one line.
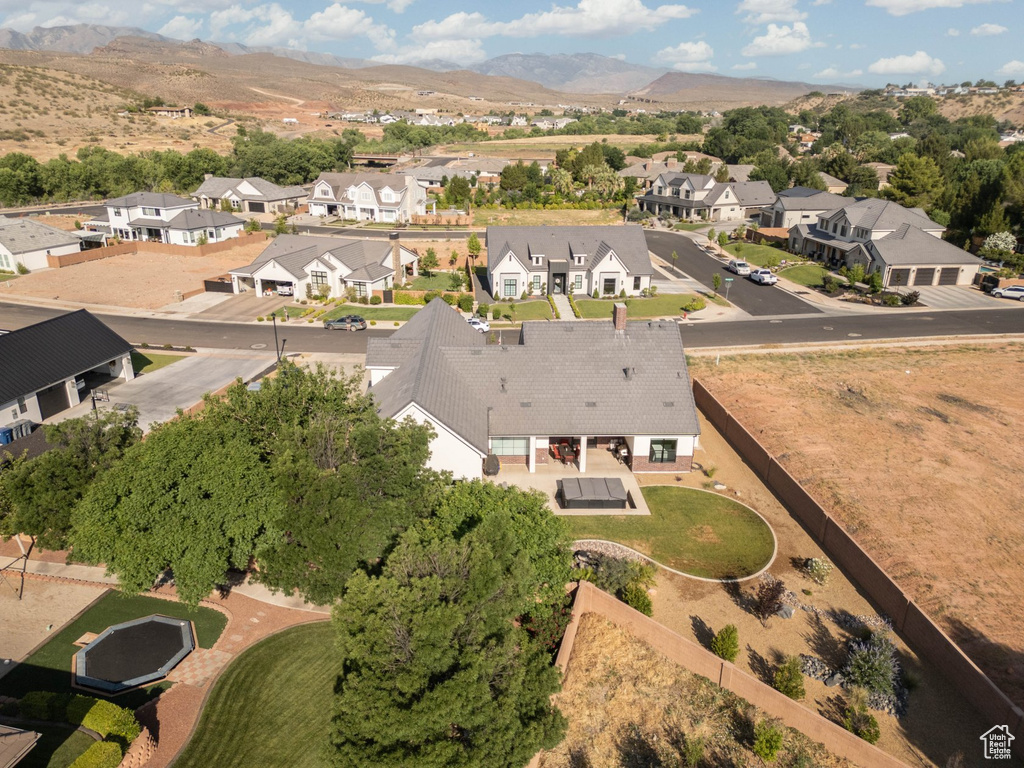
{"points": [[806, 199], [217, 187], [150, 200], [910, 246], [810, 232], [564, 378], [26, 236], [201, 219], [43, 354], [294, 252], [15, 743], [873, 213], [627, 242], [340, 182]]}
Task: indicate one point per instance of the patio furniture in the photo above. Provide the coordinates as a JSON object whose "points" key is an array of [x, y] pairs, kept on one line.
{"points": [[594, 493], [622, 454], [557, 453]]}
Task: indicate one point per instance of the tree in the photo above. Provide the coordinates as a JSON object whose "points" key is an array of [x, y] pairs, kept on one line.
{"points": [[455, 280], [789, 678], [768, 599], [806, 175], [726, 643], [43, 491], [457, 193], [253, 225], [723, 239], [722, 174], [917, 108], [428, 262], [435, 669], [768, 740], [473, 245], [716, 281], [200, 109], [281, 224], [915, 182]]}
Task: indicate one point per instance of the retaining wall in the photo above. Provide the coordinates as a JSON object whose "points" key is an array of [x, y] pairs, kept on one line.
{"points": [[920, 632], [134, 246], [93, 254]]}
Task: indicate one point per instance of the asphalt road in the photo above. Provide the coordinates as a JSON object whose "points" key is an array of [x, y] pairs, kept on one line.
{"points": [[757, 300], [313, 338], [71, 209]]}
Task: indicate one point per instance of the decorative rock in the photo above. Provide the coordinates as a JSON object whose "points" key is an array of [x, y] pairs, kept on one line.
{"points": [[719, 486], [836, 678], [786, 612]]}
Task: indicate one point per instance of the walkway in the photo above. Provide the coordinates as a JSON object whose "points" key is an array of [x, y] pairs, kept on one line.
{"points": [[563, 306]]}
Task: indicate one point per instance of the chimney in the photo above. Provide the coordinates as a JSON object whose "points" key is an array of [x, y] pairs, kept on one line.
{"points": [[671, 162], [619, 316], [207, 176], [396, 259]]}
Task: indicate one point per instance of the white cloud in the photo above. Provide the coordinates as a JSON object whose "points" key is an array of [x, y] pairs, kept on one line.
{"points": [[952, 32], [461, 51], [750, 65], [398, 6], [821, 2], [1013, 68], [688, 57], [338, 22], [182, 28], [766, 11], [832, 73], [919, 63], [903, 7], [781, 40], [987, 30], [270, 24], [856, 46], [589, 18]]}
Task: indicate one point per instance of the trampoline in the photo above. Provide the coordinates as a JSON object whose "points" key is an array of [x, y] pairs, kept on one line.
{"points": [[594, 493], [132, 654]]}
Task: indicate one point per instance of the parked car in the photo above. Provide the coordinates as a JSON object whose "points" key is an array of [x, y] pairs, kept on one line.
{"points": [[1010, 292], [738, 266], [346, 323], [479, 324], [764, 277], [285, 289]]}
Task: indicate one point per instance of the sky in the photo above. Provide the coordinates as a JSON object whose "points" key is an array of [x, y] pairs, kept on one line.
{"points": [[862, 42]]}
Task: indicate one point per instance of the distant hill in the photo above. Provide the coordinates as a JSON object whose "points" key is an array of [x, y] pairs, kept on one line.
{"points": [[721, 92], [572, 73], [74, 38]]}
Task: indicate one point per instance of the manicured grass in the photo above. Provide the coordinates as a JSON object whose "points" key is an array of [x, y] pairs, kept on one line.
{"points": [[59, 747], [758, 255], [147, 362], [527, 310], [696, 532], [684, 226], [49, 668], [662, 305], [808, 275], [272, 706], [438, 281], [483, 217], [369, 313]]}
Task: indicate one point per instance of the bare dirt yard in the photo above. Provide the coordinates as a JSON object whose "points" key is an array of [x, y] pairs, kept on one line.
{"points": [[917, 452], [141, 280], [44, 608]]}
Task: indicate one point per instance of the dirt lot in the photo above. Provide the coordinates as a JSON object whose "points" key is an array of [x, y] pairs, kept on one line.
{"points": [[917, 452], [142, 280], [44, 604]]}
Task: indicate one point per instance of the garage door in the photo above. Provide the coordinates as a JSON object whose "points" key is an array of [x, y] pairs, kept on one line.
{"points": [[257, 207], [949, 275], [53, 400], [899, 277], [924, 276]]}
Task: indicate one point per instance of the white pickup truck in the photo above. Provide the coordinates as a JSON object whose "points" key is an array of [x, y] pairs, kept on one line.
{"points": [[763, 276]]}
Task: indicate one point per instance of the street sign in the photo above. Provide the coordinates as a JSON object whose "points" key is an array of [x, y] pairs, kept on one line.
{"points": [[729, 279]]}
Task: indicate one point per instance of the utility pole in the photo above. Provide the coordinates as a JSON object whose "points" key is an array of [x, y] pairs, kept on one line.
{"points": [[277, 350]]}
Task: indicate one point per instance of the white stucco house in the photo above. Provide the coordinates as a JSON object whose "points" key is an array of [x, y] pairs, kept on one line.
{"points": [[165, 219], [331, 263], [695, 197], [591, 384], [800, 205], [367, 197], [577, 260], [26, 241], [249, 195]]}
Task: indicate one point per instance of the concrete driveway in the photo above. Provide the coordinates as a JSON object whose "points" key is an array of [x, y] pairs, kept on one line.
{"points": [[159, 395], [956, 297], [244, 307]]}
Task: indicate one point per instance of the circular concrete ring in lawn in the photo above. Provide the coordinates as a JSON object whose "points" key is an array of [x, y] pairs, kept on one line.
{"points": [[694, 533]]}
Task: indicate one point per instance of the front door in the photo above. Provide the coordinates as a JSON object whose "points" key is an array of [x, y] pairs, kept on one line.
{"points": [[559, 283]]}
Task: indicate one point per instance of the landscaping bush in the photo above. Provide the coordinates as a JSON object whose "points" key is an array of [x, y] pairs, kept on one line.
{"points": [[767, 740], [496, 312], [364, 300], [102, 754], [891, 300], [483, 310], [613, 574], [818, 569], [829, 284], [695, 304], [450, 299], [597, 294], [548, 626], [466, 302], [789, 678], [857, 720], [22, 269], [635, 596], [726, 644], [910, 298], [376, 300], [554, 309], [106, 718], [872, 664], [408, 299], [693, 751], [768, 598], [259, 318], [37, 705]]}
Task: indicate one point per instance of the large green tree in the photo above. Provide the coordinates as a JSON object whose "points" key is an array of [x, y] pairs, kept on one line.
{"points": [[915, 182]]}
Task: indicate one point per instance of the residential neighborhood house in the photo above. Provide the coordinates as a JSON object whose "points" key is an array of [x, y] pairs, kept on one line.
{"points": [[251, 195], [903, 244], [368, 197], [695, 197], [326, 263], [165, 218], [28, 242], [799, 204], [591, 383], [578, 260], [48, 366]]}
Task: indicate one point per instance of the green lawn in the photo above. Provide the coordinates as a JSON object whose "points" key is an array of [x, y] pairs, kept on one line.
{"points": [[147, 362], [696, 532], [59, 746], [757, 255], [662, 305], [369, 313], [527, 310], [438, 281], [805, 274], [272, 706], [691, 226], [49, 668]]}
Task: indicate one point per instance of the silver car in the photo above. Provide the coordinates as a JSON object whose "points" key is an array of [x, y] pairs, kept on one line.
{"points": [[1010, 292], [738, 266]]}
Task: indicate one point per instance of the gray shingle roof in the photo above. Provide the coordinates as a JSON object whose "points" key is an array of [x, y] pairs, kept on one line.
{"points": [[150, 200], [875, 214], [564, 378], [201, 219], [340, 182], [218, 187], [807, 199], [909, 246], [43, 354], [294, 252], [627, 241], [26, 236]]}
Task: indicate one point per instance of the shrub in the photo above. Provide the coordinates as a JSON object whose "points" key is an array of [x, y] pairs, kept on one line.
{"points": [[726, 644], [496, 312], [872, 664], [483, 309], [767, 740], [21, 268], [396, 323], [373, 322], [466, 302], [101, 754], [104, 717], [409, 299], [144, 345], [37, 705], [891, 300], [524, 296], [597, 294], [910, 298], [450, 299], [376, 300], [364, 300], [548, 624], [857, 720], [818, 569], [789, 678], [693, 751], [622, 293], [768, 598], [259, 318], [695, 304], [635, 596], [829, 284]]}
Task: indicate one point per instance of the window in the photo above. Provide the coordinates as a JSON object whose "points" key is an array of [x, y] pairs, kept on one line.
{"points": [[578, 284], [150, 211], [842, 232], [22, 405], [510, 287], [117, 211], [636, 283], [536, 282], [579, 260], [510, 446], [536, 261], [662, 451], [360, 289], [4, 261], [318, 279], [365, 195], [609, 285]]}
